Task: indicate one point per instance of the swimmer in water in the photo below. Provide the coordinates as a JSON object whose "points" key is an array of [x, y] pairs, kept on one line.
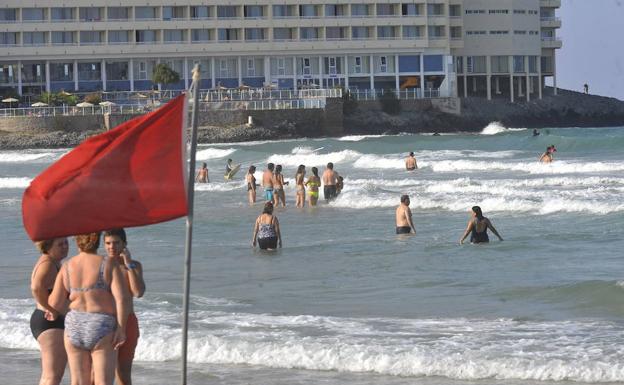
{"points": [[403, 215], [477, 228], [410, 162]]}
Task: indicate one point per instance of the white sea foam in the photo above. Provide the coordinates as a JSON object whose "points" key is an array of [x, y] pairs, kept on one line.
{"points": [[531, 167], [220, 186], [497, 127], [314, 159], [14, 182], [214, 153], [19, 157], [357, 138]]}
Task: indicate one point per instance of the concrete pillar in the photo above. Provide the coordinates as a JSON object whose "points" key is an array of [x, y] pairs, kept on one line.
{"points": [[131, 73], [488, 76], [47, 75], [511, 78], [19, 77], [422, 75], [321, 70], [539, 77], [346, 72], [465, 64], [528, 78], [396, 74], [267, 71], [240, 71], [103, 74], [75, 75], [186, 74], [497, 85], [294, 72], [372, 71], [213, 72], [554, 62]]}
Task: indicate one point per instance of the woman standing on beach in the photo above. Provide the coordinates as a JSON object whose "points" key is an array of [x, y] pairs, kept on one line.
{"points": [[267, 230], [99, 304], [477, 227], [300, 197], [314, 182], [251, 184], [278, 186], [49, 334]]}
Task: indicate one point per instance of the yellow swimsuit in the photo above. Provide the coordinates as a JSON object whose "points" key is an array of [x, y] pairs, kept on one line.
{"points": [[314, 194]]}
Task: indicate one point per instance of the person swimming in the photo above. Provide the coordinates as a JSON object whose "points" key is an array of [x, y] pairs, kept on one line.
{"points": [[535, 132], [477, 228], [403, 216], [547, 157], [410, 162]]}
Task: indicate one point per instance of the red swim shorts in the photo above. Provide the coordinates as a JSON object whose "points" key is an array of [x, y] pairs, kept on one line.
{"points": [[126, 351]]}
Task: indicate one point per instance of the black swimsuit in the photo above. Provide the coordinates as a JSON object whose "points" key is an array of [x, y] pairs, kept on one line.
{"points": [[39, 324], [478, 237]]}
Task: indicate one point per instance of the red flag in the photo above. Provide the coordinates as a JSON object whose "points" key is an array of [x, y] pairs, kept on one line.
{"points": [[132, 175]]}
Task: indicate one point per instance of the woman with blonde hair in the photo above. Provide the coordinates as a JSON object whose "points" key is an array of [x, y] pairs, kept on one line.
{"points": [[299, 183], [99, 304], [49, 334]]}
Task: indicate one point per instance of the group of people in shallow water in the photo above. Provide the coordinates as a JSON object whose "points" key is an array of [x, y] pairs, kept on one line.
{"points": [[84, 314]]}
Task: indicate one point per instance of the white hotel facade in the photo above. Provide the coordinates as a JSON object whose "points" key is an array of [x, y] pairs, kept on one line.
{"points": [[438, 47]]}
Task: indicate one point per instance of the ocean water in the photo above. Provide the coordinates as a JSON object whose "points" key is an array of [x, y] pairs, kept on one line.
{"points": [[346, 301]]}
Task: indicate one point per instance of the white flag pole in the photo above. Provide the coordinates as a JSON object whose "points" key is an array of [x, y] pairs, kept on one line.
{"points": [[189, 219]]}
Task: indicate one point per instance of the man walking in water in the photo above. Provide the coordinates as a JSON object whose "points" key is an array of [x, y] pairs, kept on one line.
{"points": [[404, 224], [330, 177], [202, 174], [410, 162], [267, 182]]}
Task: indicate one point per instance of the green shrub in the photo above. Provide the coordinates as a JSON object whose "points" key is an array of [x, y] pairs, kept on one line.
{"points": [[93, 98], [390, 103]]}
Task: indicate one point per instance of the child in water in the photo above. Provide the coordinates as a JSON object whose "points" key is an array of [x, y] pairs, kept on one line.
{"points": [[339, 184]]}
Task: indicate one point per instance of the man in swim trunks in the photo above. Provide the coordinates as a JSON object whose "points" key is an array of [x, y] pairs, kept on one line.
{"points": [[267, 182], [410, 162], [202, 174], [404, 224], [228, 167], [330, 177]]}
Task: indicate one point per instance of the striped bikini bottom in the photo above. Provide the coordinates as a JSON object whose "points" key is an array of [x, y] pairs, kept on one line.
{"points": [[85, 330]]}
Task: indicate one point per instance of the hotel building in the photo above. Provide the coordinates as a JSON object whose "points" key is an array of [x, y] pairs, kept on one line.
{"points": [[437, 47]]}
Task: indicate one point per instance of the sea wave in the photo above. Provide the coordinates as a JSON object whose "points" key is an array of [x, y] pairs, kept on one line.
{"points": [[15, 182], [495, 128], [314, 159], [213, 153], [357, 138], [19, 157]]}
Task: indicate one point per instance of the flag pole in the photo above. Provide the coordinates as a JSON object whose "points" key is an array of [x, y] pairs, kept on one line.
{"points": [[189, 218]]}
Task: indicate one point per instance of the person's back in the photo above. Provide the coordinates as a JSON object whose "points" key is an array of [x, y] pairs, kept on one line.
{"points": [[479, 231], [403, 217], [267, 178], [88, 279], [410, 162], [329, 177]]}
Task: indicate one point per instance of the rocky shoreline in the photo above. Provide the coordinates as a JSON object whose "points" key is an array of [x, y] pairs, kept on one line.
{"points": [[568, 109]]}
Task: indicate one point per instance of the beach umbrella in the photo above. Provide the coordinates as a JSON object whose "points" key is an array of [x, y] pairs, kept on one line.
{"points": [[64, 93], [10, 100], [139, 96], [107, 104], [39, 104], [84, 104]]}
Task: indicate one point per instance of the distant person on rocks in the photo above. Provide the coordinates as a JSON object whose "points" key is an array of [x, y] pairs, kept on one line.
{"points": [[546, 157], [115, 243], [403, 214], [586, 88], [251, 184], [477, 228], [314, 182], [410, 162], [49, 334], [266, 230], [267, 182], [330, 177], [300, 185], [202, 174], [535, 132]]}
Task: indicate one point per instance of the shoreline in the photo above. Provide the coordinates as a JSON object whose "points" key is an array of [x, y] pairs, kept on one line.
{"points": [[568, 109]]}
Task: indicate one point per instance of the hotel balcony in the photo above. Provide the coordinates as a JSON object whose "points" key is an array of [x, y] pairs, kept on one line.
{"points": [[550, 3], [550, 22], [551, 42]]}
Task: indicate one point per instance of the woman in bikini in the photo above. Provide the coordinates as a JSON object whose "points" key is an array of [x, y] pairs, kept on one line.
{"points": [[477, 228], [278, 186], [267, 230], [99, 305], [251, 185], [314, 182], [299, 182], [49, 334]]}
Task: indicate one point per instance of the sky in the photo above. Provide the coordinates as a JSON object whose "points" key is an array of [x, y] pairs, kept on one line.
{"points": [[593, 46]]}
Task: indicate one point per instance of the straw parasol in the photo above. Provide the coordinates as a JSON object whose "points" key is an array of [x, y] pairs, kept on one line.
{"points": [[64, 93], [139, 96], [107, 104], [10, 100], [84, 104], [39, 104]]}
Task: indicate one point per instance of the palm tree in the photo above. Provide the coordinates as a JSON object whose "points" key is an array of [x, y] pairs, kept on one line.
{"points": [[163, 74]]}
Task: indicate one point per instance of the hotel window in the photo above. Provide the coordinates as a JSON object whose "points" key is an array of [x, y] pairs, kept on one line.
{"points": [[118, 13], [227, 11], [89, 71], [142, 75], [533, 64], [459, 64], [283, 34], [281, 66], [412, 32], [475, 64], [533, 12], [33, 14], [357, 65], [383, 64], [475, 11], [332, 68], [410, 9], [518, 64], [456, 33], [437, 31], [118, 37], [90, 37], [145, 37], [253, 11], [499, 32], [173, 13], [200, 12], [386, 32], [32, 73], [358, 33], [90, 14], [385, 10], [498, 11], [455, 10], [520, 11], [61, 38], [435, 9], [306, 68], [335, 10], [223, 68], [146, 13], [256, 34], [520, 32], [335, 33], [9, 38], [500, 64], [308, 11], [200, 35], [309, 33], [173, 36], [251, 67], [360, 10], [8, 15], [62, 14], [228, 34], [61, 72], [284, 11], [117, 70]]}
